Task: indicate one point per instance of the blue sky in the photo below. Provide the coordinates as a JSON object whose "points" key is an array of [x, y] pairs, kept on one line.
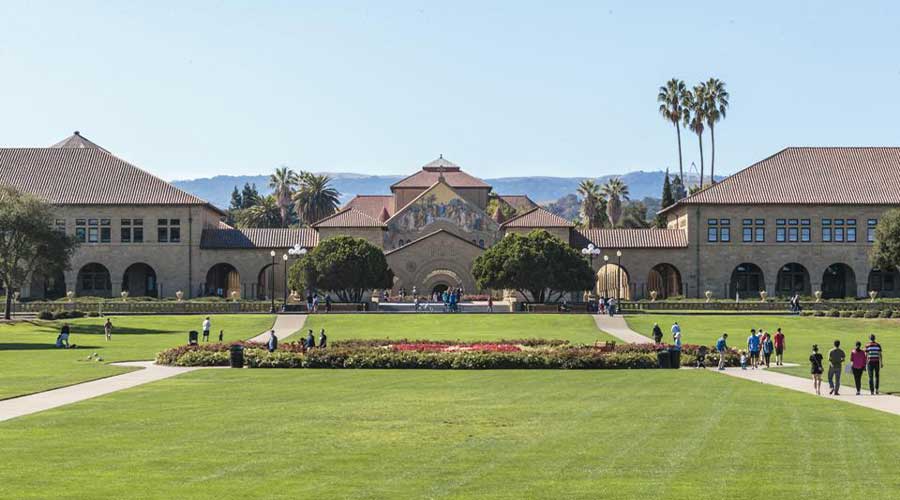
{"points": [[194, 89]]}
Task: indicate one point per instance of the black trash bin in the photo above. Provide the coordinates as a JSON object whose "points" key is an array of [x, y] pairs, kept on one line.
{"points": [[192, 337], [665, 360], [674, 358], [237, 356]]}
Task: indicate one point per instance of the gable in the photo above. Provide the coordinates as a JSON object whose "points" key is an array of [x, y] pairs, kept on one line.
{"points": [[441, 206]]}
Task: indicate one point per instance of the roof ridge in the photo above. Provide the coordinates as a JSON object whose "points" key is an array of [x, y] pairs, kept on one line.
{"points": [[429, 235]]}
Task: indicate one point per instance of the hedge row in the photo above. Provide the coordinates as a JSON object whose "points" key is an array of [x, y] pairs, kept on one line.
{"points": [[369, 354], [855, 313], [48, 315]]}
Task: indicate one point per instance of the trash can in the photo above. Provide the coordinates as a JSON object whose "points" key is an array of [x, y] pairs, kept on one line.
{"points": [[192, 337], [664, 359], [237, 356], [674, 358]]}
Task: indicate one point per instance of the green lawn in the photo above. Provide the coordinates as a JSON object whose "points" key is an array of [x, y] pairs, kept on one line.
{"points": [[577, 328], [31, 363], [800, 334], [452, 434]]}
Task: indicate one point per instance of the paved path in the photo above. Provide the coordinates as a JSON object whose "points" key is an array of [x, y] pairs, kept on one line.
{"points": [[148, 372], [617, 327], [285, 324]]}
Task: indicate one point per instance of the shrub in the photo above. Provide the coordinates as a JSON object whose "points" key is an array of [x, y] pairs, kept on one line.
{"points": [[819, 313], [203, 358], [859, 313], [846, 314], [834, 313], [45, 315], [872, 313], [93, 314], [886, 313]]}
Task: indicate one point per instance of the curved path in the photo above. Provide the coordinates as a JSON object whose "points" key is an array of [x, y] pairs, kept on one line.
{"points": [[617, 327], [148, 372]]}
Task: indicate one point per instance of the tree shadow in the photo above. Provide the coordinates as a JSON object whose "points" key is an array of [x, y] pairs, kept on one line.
{"points": [[22, 346]]}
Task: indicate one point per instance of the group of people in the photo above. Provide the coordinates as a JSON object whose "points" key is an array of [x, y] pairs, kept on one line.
{"points": [[869, 359], [206, 327], [62, 339], [794, 304], [760, 346], [605, 305], [312, 303], [308, 343], [676, 335]]}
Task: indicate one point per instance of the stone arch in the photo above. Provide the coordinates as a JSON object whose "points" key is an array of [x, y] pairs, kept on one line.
{"points": [[222, 279], [612, 282], [139, 280], [665, 279], [747, 280], [838, 281], [442, 271], [886, 283], [93, 280], [264, 280], [792, 278], [48, 286], [443, 279]]}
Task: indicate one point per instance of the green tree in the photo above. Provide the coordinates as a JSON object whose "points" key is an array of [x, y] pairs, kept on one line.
{"points": [[282, 183], [668, 199], [315, 199], [343, 265], [885, 253], [27, 242], [593, 204], [499, 209], [694, 105], [249, 196], [670, 99], [615, 191], [236, 200], [266, 214], [539, 266], [716, 106], [634, 215]]}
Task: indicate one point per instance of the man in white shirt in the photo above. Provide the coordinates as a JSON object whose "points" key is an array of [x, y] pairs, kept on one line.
{"points": [[206, 327], [676, 332]]}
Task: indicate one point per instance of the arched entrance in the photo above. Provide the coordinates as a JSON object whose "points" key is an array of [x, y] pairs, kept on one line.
{"points": [[612, 281], [94, 281], [439, 289], [838, 281], [665, 280], [793, 278], [746, 280], [883, 282], [439, 280], [139, 280], [222, 279], [264, 282]]}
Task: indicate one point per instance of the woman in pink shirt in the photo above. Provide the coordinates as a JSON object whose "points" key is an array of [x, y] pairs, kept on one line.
{"points": [[858, 364]]}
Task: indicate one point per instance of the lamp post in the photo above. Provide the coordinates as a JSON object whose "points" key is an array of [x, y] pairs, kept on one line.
{"points": [[272, 286], [605, 278], [590, 251], [284, 257], [296, 251], [618, 275]]}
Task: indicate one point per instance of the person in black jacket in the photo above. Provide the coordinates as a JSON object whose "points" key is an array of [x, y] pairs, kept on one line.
{"points": [[657, 333], [323, 339], [310, 340]]}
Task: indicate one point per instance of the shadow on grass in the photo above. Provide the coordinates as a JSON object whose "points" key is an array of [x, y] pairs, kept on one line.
{"points": [[21, 346]]}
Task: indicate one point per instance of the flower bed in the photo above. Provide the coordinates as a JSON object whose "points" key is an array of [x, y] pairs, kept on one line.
{"points": [[525, 354]]}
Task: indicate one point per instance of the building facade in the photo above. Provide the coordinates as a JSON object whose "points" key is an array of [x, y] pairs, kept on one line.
{"points": [[797, 222]]}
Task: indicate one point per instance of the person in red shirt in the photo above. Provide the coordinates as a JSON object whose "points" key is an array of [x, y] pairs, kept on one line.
{"points": [[779, 347], [858, 360]]}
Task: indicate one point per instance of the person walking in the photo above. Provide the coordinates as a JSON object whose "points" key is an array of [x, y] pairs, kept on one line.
{"points": [[221, 335], [836, 357], [107, 329], [768, 345], [309, 302], [657, 333], [490, 303], [310, 340], [875, 363], [206, 326], [753, 345], [272, 344], [328, 303], [858, 361], [815, 368], [676, 336], [323, 339], [722, 348], [779, 347]]}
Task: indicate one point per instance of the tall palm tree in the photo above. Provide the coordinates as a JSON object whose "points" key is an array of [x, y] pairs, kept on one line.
{"points": [[282, 183], [716, 106], [670, 99], [315, 199], [694, 104], [264, 214], [590, 204], [615, 191]]}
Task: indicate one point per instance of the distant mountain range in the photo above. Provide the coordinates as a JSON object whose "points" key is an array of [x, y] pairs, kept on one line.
{"points": [[217, 190]]}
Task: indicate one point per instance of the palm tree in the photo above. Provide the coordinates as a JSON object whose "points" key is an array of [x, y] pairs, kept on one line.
{"points": [[670, 99], [315, 199], [590, 204], [282, 183], [716, 105], [264, 214], [694, 105], [615, 191]]}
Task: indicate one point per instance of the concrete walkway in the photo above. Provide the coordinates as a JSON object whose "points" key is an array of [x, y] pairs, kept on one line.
{"points": [[285, 325], [617, 327], [891, 404]]}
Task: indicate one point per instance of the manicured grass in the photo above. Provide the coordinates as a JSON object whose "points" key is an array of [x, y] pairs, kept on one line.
{"points": [[801, 332], [452, 434], [577, 328], [31, 363]]}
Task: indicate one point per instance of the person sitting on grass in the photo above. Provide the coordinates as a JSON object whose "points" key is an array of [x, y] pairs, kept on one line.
{"points": [[62, 340], [815, 368], [657, 333], [722, 348]]}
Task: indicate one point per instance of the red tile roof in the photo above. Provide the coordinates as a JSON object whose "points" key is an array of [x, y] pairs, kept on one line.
{"points": [[76, 140], [372, 205], [631, 238], [536, 218], [430, 173], [519, 201], [810, 175], [349, 217], [85, 175], [258, 238]]}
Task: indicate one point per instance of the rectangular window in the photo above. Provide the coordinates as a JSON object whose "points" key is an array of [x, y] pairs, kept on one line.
{"points": [[105, 234], [712, 222], [838, 222], [826, 234], [870, 230], [760, 234], [760, 222], [93, 234], [780, 234], [779, 222], [851, 222], [839, 234], [793, 235], [168, 230], [125, 236], [725, 222], [174, 234], [747, 234], [60, 225], [137, 234], [747, 222], [804, 222], [725, 235], [162, 235], [712, 234], [793, 222], [851, 234], [805, 234]]}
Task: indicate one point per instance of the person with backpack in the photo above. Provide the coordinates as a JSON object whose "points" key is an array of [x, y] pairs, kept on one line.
{"points": [[657, 333]]}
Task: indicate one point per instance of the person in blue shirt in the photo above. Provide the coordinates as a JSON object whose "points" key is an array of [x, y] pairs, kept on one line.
{"points": [[753, 345], [721, 347], [273, 342]]}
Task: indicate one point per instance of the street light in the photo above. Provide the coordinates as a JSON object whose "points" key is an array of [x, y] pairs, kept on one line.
{"points": [[591, 251], [272, 287], [284, 257], [618, 275], [296, 251], [605, 278]]}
